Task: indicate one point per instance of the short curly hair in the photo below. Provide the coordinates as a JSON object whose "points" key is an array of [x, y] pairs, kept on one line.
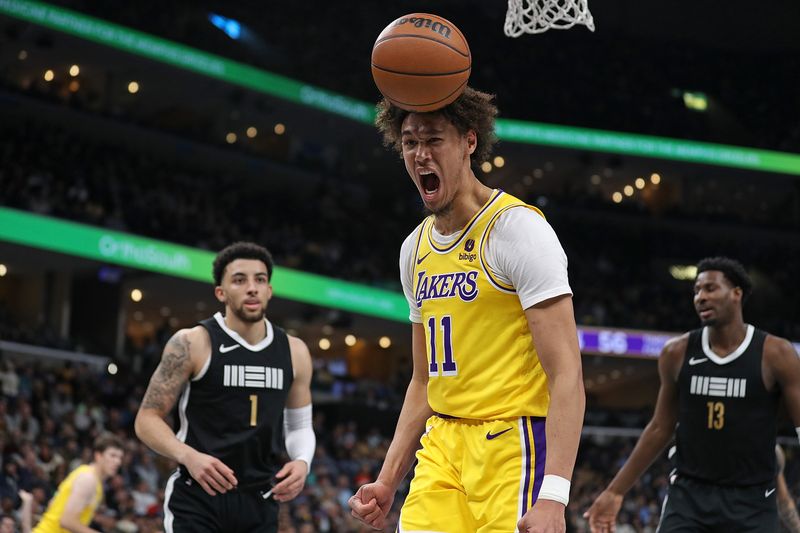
{"points": [[473, 110], [731, 269], [240, 250]]}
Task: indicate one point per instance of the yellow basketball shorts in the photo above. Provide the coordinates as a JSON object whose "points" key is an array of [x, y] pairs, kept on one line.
{"points": [[475, 475]]}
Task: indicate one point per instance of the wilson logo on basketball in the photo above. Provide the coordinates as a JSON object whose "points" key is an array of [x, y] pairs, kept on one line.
{"points": [[436, 27]]}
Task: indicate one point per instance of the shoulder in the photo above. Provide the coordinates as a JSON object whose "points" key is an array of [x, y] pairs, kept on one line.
{"points": [[676, 346], [85, 479], [410, 242], [673, 353], [301, 356], [194, 341], [298, 345], [778, 345], [521, 222], [777, 349]]}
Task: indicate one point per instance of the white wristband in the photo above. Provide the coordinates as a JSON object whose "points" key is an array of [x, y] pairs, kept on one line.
{"points": [[797, 430], [555, 488]]}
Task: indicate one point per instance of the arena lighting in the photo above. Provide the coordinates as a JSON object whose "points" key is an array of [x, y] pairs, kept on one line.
{"points": [[136, 295], [628, 190], [23, 55], [499, 161], [324, 344], [252, 131], [230, 27], [49, 75], [683, 272], [74, 70], [279, 129], [182, 56], [655, 179], [3, 270], [640, 183], [595, 179], [350, 340], [384, 342], [486, 167], [617, 197], [112, 369], [133, 87], [695, 101], [230, 138]]}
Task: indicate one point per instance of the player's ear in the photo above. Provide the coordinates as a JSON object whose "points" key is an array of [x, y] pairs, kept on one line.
{"points": [[738, 293], [472, 141], [219, 293]]}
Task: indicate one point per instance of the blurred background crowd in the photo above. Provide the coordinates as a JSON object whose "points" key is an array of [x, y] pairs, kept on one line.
{"points": [[192, 160]]}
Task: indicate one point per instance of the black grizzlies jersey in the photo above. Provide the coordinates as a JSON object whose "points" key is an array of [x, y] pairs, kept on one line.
{"points": [[726, 420], [233, 408]]}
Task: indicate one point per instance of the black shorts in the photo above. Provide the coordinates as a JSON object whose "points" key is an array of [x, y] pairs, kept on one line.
{"points": [[695, 507], [189, 509]]}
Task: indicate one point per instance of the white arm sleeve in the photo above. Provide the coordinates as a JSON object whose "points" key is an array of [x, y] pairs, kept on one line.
{"points": [[407, 252], [299, 434], [523, 251]]}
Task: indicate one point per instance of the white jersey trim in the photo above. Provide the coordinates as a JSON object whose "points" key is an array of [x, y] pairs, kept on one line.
{"points": [[203, 370], [748, 337], [523, 451], [169, 518], [184, 401], [263, 343]]}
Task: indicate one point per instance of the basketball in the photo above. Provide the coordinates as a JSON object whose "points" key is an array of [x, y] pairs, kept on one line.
{"points": [[421, 62]]}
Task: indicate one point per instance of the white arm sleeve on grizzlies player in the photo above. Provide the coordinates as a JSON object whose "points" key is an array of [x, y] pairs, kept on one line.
{"points": [[523, 251], [299, 434]]}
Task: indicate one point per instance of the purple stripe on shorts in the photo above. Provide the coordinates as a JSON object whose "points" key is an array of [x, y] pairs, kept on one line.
{"points": [[527, 465], [540, 445]]}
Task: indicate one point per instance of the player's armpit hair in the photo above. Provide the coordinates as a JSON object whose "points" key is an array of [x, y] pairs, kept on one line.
{"points": [[169, 377]]}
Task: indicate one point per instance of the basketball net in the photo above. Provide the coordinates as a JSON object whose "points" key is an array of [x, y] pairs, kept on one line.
{"points": [[538, 16]]}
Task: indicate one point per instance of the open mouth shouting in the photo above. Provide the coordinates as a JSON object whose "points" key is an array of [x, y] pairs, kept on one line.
{"points": [[429, 183]]}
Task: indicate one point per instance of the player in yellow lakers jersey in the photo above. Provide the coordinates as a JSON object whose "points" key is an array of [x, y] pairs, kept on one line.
{"points": [[77, 497], [497, 386]]}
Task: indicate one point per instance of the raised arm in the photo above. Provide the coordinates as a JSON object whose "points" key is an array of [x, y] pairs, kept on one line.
{"points": [[180, 360], [657, 434]]}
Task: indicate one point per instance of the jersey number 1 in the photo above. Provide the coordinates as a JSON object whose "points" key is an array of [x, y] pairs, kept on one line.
{"points": [[253, 409], [449, 367]]}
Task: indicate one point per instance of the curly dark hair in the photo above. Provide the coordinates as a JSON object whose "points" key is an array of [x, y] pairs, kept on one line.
{"points": [[241, 250], [473, 110], [731, 269]]}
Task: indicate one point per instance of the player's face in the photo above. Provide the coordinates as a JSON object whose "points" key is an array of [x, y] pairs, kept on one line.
{"points": [[437, 158], [108, 461], [245, 289], [715, 298]]}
